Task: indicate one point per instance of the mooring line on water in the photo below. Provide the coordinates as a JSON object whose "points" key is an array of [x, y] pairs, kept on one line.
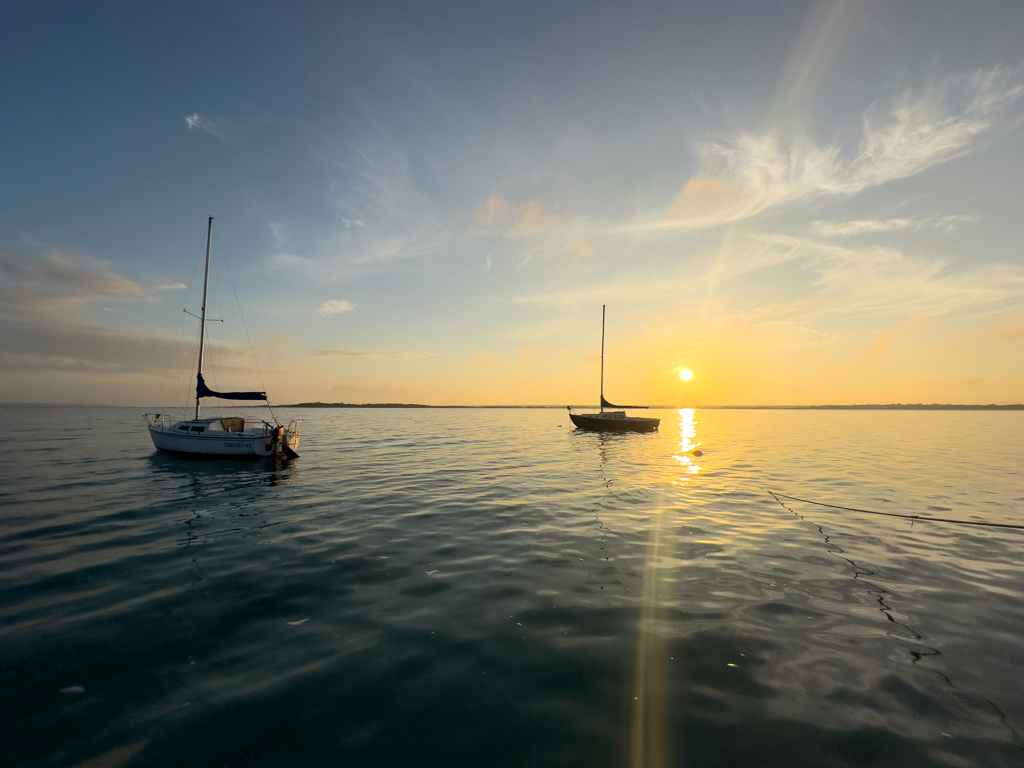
{"points": [[878, 593], [777, 496]]}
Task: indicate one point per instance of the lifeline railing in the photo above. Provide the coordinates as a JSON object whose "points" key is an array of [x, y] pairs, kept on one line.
{"points": [[159, 420]]}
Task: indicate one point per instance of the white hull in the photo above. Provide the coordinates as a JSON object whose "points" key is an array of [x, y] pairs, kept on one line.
{"points": [[207, 438], [230, 436], [225, 444]]}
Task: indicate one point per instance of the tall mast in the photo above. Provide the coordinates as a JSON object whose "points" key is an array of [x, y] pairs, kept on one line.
{"points": [[202, 326], [602, 361]]}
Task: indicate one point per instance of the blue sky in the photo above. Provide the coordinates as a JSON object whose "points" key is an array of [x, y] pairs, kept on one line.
{"points": [[813, 203]]}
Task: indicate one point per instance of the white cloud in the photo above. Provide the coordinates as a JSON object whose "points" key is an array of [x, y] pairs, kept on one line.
{"points": [[870, 226], [335, 307], [215, 126], [291, 261], [749, 173], [275, 231]]}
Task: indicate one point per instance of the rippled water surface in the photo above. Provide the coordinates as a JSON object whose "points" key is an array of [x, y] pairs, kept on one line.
{"points": [[492, 588]]}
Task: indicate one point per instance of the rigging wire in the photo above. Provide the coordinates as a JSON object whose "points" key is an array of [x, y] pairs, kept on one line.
{"points": [[188, 392], [263, 386], [778, 496], [210, 357]]}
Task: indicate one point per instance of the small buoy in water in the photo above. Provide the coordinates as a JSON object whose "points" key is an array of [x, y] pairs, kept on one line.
{"points": [[698, 452]]}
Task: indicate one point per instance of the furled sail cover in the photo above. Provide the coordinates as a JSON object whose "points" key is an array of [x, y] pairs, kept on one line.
{"points": [[606, 404], [204, 391]]}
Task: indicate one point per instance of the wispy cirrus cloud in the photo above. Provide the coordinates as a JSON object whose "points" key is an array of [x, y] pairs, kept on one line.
{"points": [[839, 281], [384, 220], [369, 353], [881, 281], [870, 226], [746, 174], [335, 307], [215, 126]]}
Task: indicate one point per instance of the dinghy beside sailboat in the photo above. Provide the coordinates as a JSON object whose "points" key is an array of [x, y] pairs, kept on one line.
{"points": [[232, 436]]}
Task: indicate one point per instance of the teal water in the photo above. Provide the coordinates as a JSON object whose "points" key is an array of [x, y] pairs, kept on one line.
{"points": [[492, 588]]}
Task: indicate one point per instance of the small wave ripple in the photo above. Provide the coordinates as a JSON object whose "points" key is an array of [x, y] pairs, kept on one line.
{"points": [[490, 587]]}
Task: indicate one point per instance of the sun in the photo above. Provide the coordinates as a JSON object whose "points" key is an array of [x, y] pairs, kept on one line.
{"points": [[686, 374]]}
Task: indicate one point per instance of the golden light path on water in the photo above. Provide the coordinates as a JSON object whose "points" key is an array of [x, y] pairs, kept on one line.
{"points": [[687, 433], [812, 52], [649, 744]]}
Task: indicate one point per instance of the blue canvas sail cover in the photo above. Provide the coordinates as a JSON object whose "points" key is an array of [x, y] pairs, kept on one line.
{"points": [[606, 404], [204, 391]]}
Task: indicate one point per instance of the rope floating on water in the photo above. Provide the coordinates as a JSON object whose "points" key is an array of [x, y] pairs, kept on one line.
{"points": [[778, 496]]}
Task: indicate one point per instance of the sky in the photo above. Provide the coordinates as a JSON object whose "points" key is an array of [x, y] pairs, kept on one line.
{"points": [[799, 202]]}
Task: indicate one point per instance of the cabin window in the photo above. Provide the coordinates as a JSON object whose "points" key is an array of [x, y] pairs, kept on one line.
{"points": [[198, 429], [183, 428]]}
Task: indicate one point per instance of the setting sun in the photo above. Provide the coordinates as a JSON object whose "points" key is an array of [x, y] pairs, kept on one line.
{"points": [[686, 374]]}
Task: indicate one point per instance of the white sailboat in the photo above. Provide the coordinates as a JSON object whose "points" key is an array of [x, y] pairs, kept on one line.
{"points": [[614, 419], [231, 436]]}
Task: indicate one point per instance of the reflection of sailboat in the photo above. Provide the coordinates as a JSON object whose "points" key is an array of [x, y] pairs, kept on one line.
{"points": [[612, 420], [233, 436], [214, 474]]}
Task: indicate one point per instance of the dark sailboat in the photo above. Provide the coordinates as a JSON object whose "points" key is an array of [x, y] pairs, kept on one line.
{"points": [[614, 419]]}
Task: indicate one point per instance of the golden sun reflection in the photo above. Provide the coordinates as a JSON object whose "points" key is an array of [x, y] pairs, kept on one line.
{"points": [[652, 745], [687, 433], [686, 374]]}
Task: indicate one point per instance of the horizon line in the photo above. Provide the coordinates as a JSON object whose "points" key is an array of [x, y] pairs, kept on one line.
{"points": [[836, 406]]}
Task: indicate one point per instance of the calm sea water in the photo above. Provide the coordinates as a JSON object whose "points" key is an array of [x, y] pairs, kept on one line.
{"points": [[492, 588]]}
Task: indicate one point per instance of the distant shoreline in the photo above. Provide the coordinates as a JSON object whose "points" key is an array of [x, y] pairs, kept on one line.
{"points": [[886, 407], [881, 407]]}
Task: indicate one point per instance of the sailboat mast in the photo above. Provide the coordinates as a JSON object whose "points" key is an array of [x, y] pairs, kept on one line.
{"points": [[202, 326], [602, 358]]}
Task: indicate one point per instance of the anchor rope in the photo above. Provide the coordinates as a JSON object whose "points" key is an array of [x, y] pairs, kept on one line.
{"points": [[778, 496]]}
